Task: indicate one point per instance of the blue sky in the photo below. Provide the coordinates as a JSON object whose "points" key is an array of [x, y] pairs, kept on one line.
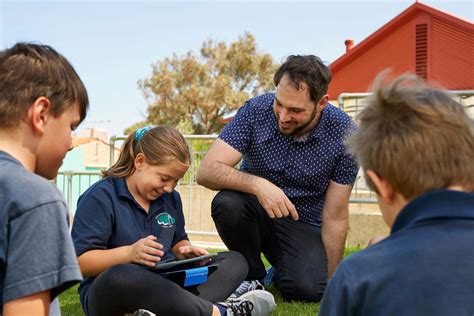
{"points": [[112, 44]]}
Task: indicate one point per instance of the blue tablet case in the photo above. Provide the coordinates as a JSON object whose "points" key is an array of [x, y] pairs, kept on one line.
{"points": [[189, 274]]}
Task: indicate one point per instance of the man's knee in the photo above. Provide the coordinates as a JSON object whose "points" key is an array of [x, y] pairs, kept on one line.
{"points": [[304, 289], [227, 206], [223, 199]]}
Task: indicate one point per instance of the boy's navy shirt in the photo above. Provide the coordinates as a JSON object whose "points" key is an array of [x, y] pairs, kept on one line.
{"points": [[425, 267], [108, 217]]}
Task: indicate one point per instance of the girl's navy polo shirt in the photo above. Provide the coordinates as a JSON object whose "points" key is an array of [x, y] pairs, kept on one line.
{"points": [[108, 217]]}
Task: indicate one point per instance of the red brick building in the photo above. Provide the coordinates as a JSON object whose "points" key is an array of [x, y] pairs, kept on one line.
{"points": [[423, 40]]}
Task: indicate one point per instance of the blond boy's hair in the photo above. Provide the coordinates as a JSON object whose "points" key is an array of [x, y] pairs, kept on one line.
{"points": [[416, 137]]}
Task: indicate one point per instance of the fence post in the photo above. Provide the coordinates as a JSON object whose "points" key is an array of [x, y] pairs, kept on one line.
{"points": [[69, 176]]}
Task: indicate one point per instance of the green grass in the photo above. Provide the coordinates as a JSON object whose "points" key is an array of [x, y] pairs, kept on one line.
{"points": [[69, 302], [71, 306]]}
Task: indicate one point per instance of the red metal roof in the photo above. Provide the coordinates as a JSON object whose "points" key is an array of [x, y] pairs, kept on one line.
{"points": [[394, 24]]}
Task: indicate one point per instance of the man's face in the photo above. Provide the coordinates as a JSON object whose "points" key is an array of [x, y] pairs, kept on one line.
{"points": [[296, 114], [56, 141]]}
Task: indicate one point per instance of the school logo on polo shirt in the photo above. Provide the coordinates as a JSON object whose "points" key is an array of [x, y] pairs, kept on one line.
{"points": [[165, 220]]}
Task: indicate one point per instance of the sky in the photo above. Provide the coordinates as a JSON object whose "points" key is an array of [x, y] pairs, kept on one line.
{"points": [[112, 44]]}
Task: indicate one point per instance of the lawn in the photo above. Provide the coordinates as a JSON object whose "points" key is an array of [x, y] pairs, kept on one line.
{"points": [[70, 305]]}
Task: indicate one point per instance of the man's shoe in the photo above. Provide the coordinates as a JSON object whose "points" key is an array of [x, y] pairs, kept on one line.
{"points": [[253, 303], [245, 287], [143, 312]]}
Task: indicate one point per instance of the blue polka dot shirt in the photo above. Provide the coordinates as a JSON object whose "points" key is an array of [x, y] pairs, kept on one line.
{"points": [[301, 167]]}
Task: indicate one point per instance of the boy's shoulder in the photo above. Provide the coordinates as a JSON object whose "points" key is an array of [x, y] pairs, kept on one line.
{"points": [[383, 260], [23, 190]]}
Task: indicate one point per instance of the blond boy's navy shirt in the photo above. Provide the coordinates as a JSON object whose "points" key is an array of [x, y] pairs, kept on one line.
{"points": [[108, 217], [425, 266]]}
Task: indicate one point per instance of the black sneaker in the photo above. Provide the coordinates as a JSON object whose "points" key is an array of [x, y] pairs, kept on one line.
{"points": [[252, 303], [245, 287]]}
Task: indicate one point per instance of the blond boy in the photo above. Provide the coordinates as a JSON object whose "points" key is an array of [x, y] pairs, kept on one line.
{"points": [[416, 146], [42, 99]]}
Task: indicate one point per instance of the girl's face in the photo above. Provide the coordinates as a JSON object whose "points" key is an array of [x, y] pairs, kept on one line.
{"points": [[152, 181]]}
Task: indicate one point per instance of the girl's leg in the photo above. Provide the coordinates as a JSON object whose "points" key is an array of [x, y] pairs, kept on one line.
{"points": [[127, 287], [223, 281]]}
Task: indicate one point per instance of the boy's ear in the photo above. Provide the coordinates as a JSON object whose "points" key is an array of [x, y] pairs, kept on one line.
{"points": [[38, 114], [384, 188]]}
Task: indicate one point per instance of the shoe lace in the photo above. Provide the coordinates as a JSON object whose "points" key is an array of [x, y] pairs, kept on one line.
{"points": [[241, 308], [243, 288], [247, 286]]}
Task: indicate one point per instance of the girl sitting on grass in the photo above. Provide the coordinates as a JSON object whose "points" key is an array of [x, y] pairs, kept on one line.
{"points": [[133, 219]]}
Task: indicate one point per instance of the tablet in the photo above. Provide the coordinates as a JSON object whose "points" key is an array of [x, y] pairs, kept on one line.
{"points": [[184, 262]]}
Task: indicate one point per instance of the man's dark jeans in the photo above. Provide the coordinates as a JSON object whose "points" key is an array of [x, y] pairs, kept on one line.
{"points": [[293, 248]]}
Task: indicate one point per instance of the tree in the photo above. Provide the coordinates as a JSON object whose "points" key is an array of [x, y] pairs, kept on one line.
{"points": [[201, 90]]}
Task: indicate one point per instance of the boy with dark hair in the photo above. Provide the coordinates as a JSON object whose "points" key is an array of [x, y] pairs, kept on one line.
{"points": [[42, 99], [416, 146]]}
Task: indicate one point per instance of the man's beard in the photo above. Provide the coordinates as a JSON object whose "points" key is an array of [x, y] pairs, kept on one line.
{"points": [[298, 129]]}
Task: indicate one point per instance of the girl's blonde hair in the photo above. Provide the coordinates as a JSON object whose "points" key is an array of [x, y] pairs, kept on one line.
{"points": [[159, 145]]}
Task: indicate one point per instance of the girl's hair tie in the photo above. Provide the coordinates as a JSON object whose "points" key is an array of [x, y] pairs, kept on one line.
{"points": [[141, 131]]}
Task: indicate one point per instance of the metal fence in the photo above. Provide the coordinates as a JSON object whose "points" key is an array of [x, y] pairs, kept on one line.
{"points": [[197, 199], [73, 183], [353, 103]]}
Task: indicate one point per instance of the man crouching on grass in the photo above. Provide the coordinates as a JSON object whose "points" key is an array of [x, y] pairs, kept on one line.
{"points": [[416, 146]]}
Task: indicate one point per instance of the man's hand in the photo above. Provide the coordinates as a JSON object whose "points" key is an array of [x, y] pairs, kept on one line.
{"points": [[146, 251], [274, 200]]}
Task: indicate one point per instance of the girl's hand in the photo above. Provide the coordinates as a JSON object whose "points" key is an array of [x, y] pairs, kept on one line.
{"points": [[190, 251], [146, 251]]}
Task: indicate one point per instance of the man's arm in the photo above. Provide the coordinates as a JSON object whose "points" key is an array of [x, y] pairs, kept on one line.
{"points": [[217, 172], [335, 223], [36, 304]]}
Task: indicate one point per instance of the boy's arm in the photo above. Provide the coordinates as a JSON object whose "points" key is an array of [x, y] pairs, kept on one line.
{"points": [[36, 304], [340, 296]]}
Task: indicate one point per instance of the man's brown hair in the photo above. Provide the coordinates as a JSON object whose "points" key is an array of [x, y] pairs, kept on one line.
{"points": [[306, 69], [416, 137], [29, 71]]}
